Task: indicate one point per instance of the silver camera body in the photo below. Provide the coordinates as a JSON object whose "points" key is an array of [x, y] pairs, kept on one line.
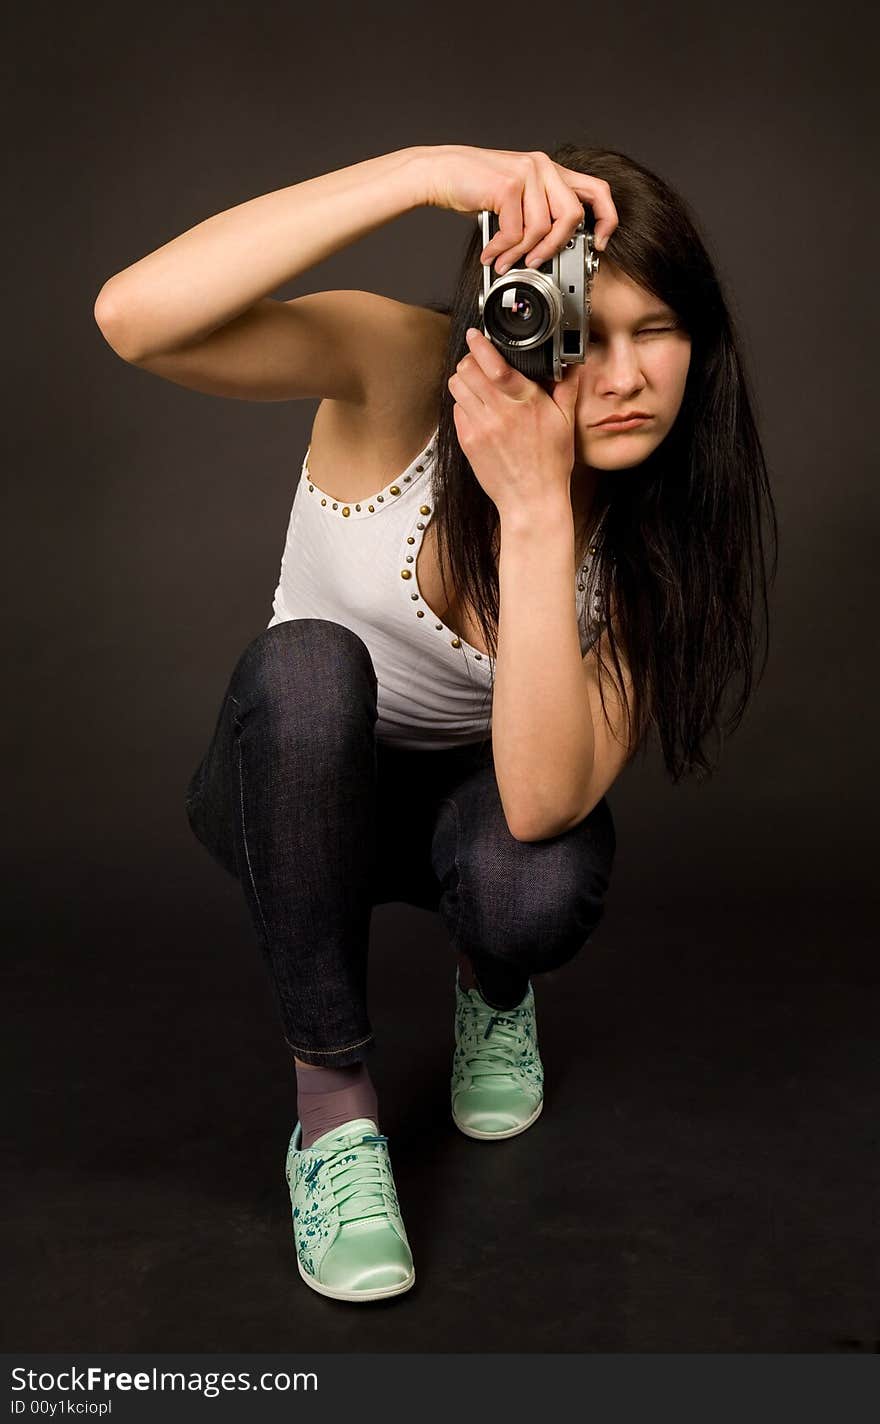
{"points": [[539, 317]]}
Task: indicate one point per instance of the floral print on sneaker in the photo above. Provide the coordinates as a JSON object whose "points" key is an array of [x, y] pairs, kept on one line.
{"points": [[349, 1234], [497, 1087]]}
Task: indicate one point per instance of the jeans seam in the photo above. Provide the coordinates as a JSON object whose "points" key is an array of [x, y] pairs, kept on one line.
{"points": [[247, 853], [325, 1052], [448, 801]]}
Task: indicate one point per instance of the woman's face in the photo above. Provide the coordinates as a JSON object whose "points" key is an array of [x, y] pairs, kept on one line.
{"points": [[637, 359]]}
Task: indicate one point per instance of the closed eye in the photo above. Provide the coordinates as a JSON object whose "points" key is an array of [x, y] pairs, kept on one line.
{"points": [[645, 331]]}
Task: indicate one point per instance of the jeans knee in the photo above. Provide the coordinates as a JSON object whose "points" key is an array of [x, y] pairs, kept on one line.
{"points": [[541, 912], [311, 671], [552, 950], [545, 934]]}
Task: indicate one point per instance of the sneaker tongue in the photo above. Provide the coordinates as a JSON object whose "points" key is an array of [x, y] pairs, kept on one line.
{"points": [[355, 1128]]}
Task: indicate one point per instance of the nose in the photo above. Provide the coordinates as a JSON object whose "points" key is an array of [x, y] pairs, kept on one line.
{"points": [[618, 369]]}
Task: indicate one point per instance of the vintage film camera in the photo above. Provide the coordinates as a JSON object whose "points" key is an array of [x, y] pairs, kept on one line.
{"points": [[539, 317]]}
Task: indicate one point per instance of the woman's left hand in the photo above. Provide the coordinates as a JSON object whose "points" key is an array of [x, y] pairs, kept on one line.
{"points": [[518, 439]]}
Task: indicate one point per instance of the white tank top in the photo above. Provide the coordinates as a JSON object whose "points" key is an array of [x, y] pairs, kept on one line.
{"points": [[355, 564]]}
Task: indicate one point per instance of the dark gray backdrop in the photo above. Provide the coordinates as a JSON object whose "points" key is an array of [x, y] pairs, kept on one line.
{"points": [[146, 526]]}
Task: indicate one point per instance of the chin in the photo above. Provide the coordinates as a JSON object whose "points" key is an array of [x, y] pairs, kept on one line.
{"points": [[599, 454]]}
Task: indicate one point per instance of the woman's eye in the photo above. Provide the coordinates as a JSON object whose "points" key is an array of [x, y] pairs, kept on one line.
{"points": [[645, 331]]}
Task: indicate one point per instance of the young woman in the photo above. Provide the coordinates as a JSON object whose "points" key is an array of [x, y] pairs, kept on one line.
{"points": [[491, 590]]}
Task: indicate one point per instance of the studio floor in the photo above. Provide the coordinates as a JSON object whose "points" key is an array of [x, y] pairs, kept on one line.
{"points": [[704, 1176]]}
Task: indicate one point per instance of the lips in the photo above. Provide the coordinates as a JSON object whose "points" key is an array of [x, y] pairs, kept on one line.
{"points": [[628, 415]]}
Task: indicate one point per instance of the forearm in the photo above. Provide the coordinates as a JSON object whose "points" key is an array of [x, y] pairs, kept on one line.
{"points": [[210, 274], [542, 731]]}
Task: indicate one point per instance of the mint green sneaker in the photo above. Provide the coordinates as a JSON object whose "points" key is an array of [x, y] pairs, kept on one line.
{"points": [[349, 1235], [497, 1075]]}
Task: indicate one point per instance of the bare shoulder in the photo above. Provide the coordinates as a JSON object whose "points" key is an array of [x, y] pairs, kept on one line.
{"points": [[357, 447]]}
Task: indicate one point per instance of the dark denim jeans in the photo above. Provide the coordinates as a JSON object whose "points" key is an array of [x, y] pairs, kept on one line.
{"points": [[318, 820]]}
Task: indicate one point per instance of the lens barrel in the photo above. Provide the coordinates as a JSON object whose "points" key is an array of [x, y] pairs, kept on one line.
{"points": [[522, 309]]}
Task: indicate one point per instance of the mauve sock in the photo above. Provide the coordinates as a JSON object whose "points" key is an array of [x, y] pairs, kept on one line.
{"points": [[328, 1097]]}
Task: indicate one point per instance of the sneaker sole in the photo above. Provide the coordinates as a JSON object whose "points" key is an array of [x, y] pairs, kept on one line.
{"points": [[379, 1294], [508, 1132]]}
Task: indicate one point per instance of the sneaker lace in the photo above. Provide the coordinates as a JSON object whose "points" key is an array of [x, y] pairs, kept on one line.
{"points": [[499, 1061], [360, 1181]]}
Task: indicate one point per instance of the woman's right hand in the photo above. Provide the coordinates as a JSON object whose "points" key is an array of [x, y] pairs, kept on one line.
{"points": [[539, 203]]}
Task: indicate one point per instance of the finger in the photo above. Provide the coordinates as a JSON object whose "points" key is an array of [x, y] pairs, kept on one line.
{"points": [[462, 424], [501, 375], [598, 194], [565, 392], [567, 213], [477, 381], [466, 398], [510, 220], [537, 219]]}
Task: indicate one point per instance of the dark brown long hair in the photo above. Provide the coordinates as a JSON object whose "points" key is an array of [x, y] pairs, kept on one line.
{"points": [[680, 546]]}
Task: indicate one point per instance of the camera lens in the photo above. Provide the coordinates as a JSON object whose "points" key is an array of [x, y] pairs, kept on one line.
{"points": [[517, 312]]}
